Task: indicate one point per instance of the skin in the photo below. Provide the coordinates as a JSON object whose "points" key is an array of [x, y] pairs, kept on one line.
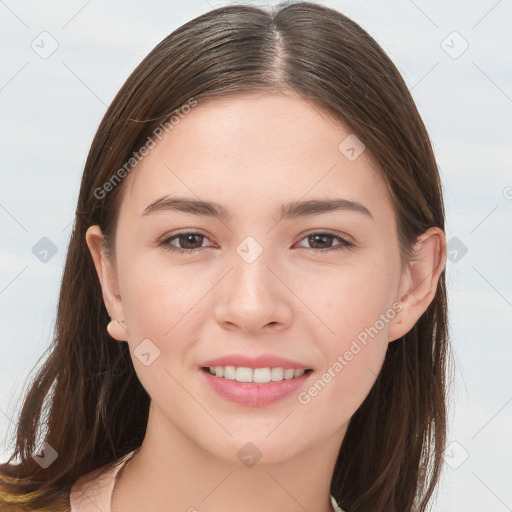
{"points": [[252, 153]]}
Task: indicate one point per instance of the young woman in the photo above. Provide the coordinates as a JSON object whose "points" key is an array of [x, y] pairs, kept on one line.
{"points": [[253, 309]]}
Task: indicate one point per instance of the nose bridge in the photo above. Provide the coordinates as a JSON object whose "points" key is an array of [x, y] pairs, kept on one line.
{"points": [[252, 297], [250, 278]]}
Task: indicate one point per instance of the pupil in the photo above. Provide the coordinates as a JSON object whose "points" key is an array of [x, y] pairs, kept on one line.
{"points": [[313, 238], [189, 238]]}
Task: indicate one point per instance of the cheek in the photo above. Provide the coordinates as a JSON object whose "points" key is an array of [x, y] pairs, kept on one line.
{"points": [[161, 305], [156, 296], [355, 306], [166, 305], [348, 299]]}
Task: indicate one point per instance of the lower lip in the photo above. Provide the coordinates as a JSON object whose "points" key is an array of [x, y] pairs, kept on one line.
{"points": [[254, 395]]}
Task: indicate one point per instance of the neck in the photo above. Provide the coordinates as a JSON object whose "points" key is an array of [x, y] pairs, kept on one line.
{"points": [[171, 472]]}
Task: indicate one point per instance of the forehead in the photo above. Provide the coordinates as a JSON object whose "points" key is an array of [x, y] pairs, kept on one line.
{"points": [[255, 147]]}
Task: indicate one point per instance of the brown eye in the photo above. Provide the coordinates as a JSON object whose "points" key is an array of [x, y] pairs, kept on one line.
{"points": [[192, 242], [189, 240], [183, 243], [323, 242]]}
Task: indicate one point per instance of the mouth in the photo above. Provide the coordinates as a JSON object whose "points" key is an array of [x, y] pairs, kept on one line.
{"points": [[255, 387], [255, 375]]}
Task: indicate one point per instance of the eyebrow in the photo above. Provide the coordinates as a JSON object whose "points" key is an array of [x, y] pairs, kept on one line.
{"points": [[290, 210]]}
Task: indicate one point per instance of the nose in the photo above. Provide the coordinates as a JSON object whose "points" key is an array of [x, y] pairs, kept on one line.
{"points": [[253, 298]]}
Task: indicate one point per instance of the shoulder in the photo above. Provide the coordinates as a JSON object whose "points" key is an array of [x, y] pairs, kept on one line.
{"points": [[91, 492]]}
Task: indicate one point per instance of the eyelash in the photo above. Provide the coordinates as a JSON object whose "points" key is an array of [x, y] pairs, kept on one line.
{"points": [[166, 242]]}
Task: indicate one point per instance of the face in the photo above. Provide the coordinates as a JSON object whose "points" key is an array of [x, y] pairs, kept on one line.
{"points": [[318, 286]]}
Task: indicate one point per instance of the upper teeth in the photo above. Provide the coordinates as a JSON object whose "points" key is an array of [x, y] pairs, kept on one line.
{"points": [[259, 375]]}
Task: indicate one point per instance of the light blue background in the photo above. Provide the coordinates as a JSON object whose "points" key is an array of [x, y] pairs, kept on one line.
{"points": [[50, 110]]}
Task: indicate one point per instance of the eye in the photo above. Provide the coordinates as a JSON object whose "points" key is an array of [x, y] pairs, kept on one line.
{"points": [[190, 242], [326, 239]]}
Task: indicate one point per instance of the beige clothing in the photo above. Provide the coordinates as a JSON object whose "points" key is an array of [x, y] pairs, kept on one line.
{"points": [[93, 492]]}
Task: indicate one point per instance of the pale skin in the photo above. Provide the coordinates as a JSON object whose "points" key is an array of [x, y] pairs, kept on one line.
{"points": [[252, 153]]}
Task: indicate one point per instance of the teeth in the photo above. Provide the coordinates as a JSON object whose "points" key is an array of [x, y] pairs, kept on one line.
{"points": [[288, 374], [276, 374], [229, 372], [257, 375]]}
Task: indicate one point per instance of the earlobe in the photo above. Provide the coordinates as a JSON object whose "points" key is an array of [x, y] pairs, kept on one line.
{"points": [[419, 281], [105, 269], [117, 330]]}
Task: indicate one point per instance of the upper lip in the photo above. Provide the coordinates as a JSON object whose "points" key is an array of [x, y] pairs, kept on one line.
{"points": [[261, 361]]}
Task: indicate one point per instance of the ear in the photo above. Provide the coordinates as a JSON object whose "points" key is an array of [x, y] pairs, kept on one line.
{"points": [[107, 275], [419, 280]]}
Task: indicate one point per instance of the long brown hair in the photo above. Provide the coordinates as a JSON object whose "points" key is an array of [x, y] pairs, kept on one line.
{"points": [[86, 400]]}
